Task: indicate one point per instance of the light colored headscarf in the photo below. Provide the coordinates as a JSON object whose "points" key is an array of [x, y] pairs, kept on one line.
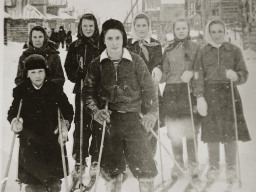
{"points": [[207, 35], [134, 36]]}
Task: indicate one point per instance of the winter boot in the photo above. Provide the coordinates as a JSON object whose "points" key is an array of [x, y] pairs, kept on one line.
{"points": [[146, 184], [231, 174], [76, 171], [193, 170], [212, 173], [93, 169], [114, 185]]}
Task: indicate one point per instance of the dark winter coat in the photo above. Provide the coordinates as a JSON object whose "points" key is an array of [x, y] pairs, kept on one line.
{"points": [[40, 153], [53, 63], [125, 87], [79, 48], [212, 83], [62, 35], [155, 53]]}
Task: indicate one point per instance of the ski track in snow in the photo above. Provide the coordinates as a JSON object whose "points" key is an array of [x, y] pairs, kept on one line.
{"points": [[247, 150]]}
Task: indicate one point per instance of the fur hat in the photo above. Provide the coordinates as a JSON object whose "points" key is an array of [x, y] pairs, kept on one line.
{"points": [[112, 24], [35, 61]]}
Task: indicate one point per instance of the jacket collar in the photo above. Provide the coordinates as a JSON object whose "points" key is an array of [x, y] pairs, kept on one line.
{"points": [[225, 45], [147, 39], [126, 55]]}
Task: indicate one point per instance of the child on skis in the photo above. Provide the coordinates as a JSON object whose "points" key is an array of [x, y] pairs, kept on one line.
{"points": [[122, 79], [40, 163], [178, 62], [219, 66], [150, 51]]}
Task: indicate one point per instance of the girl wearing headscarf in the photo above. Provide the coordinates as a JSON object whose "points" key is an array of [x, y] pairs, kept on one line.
{"points": [[220, 65], [39, 44], [84, 50], [178, 63], [150, 51], [121, 79]]}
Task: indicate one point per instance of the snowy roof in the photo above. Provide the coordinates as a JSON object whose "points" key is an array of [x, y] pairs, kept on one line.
{"points": [[66, 16], [172, 1], [31, 12], [57, 2], [51, 16]]}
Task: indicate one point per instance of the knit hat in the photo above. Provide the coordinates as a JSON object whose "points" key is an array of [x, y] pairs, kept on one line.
{"points": [[35, 61], [112, 24]]}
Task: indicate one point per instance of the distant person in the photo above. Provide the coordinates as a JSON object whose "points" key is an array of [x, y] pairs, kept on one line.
{"points": [[55, 37], [25, 46], [62, 36], [68, 40], [39, 44]]}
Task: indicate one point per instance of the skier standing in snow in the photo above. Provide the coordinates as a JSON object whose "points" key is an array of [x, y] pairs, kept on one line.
{"points": [[178, 62], [217, 64], [39, 44], [122, 79], [40, 163], [150, 51], [85, 47]]}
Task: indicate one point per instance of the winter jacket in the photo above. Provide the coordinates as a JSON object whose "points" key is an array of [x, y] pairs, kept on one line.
{"points": [[53, 63], [154, 51], [62, 35], [125, 86], [211, 65], [79, 49], [39, 153], [175, 62]]}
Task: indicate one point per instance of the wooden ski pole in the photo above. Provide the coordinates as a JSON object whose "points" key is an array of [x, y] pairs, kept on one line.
{"points": [[101, 149], [193, 125], [160, 153], [236, 134], [4, 181], [62, 151], [81, 127]]}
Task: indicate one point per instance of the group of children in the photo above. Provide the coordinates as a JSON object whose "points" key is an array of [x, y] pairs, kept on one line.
{"points": [[124, 74]]}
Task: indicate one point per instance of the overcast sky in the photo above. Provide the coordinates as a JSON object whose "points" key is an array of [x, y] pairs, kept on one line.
{"points": [[105, 9]]}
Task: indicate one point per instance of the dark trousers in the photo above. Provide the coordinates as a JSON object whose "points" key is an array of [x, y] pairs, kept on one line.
{"points": [[126, 143], [53, 187]]}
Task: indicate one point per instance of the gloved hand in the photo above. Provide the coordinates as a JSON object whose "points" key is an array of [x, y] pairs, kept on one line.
{"points": [[80, 73], [76, 171], [149, 121], [157, 74], [201, 106], [102, 115], [232, 75], [17, 125], [65, 125], [186, 76]]}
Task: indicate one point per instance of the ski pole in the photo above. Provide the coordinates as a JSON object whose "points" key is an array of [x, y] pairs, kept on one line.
{"points": [[236, 134], [62, 151], [81, 127], [193, 125], [175, 162], [160, 153], [101, 149], [4, 181]]}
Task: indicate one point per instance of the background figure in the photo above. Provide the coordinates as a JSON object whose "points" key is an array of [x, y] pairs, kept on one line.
{"points": [[39, 44], [40, 163], [150, 51], [85, 48], [62, 36], [219, 63], [122, 79], [68, 40], [55, 38], [179, 59]]}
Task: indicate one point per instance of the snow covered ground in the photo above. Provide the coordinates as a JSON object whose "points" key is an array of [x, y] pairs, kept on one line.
{"points": [[247, 150]]}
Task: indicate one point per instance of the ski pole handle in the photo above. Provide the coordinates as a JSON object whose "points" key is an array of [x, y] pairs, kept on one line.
{"points": [[4, 181]]}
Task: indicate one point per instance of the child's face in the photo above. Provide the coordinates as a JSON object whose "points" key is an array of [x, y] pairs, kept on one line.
{"points": [[141, 27], [181, 30], [217, 33], [114, 42], [37, 39], [88, 27], [37, 76]]}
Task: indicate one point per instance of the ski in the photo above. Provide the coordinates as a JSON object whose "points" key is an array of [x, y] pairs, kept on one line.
{"points": [[90, 185], [74, 184], [167, 185], [208, 185]]}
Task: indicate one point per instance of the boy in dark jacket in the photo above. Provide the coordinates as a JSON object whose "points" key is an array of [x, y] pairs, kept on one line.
{"points": [[122, 79], [40, 163]]}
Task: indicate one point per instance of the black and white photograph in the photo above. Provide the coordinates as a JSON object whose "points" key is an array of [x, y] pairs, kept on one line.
{"points": [[128, 95]]}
